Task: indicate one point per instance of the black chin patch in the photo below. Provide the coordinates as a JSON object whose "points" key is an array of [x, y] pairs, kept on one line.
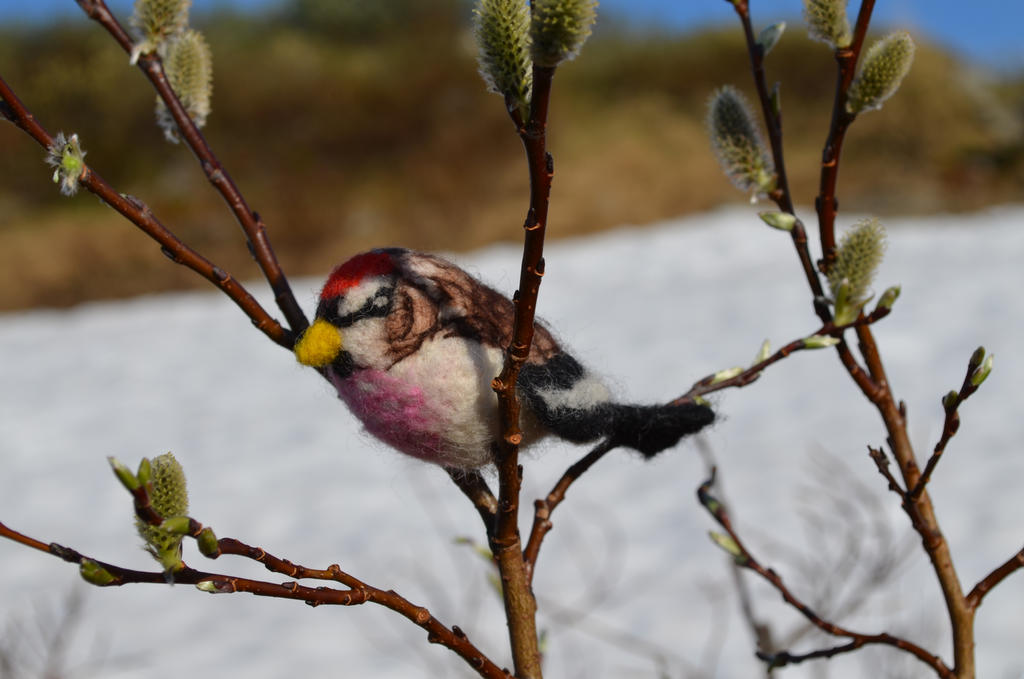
{"points": [[343, 366]]}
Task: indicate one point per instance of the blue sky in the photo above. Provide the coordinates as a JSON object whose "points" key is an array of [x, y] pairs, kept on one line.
{"points": [[989, 32]]}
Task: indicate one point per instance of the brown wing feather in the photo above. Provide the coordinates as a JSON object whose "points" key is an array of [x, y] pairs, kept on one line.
{"points": [[437, 296]]}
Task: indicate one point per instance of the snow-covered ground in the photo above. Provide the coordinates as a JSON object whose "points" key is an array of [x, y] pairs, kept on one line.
{"points": [[628, 582]]}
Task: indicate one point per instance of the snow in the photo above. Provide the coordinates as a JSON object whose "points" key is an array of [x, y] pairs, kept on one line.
{"points": [[628, 582]]}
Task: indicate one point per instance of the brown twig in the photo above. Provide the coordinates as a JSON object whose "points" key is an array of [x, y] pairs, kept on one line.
{"points": [[542, 508], [950, 425], [986, 584], [520, 604], [139, 214], [744, 559], [772, 113], [826, 203], [474, 486], [712, 383], [252, 225], [357, 592]]}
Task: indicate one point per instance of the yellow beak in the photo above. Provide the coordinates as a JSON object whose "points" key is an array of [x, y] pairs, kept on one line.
{"points": [[319, 345]]}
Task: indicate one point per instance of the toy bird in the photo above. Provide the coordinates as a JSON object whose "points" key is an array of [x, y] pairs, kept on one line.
{"points": [[412, 342]]}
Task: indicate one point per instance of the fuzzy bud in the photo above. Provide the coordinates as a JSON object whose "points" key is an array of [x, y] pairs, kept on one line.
{"points": [[502, 30], [769, 37], [883, 68], [827, 22], [188, 64], [859, 253], [68, 160], [155, 21], [558, 29], [737, 143], [169, 498]]}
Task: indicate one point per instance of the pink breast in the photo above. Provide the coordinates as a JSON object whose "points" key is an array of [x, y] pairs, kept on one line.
{"points": [[393, 411]]}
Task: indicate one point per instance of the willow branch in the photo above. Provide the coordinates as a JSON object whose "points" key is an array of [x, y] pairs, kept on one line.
{"points": [[743, 558], [978, 592], [252, 225], [140, 214], [826, 203], [543, 508], [356, 591], [474, 486], [520, 604], [950, 425], [922, 515], [714, 382]]}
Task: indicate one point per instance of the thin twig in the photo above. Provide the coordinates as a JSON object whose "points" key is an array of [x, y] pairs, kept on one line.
{"points": [[520, 604], [986, 584], [950, 425], [543, 508], [357, 592], [826, 203], [140, 214], [745, 559], [252, 225], [474, 486]]}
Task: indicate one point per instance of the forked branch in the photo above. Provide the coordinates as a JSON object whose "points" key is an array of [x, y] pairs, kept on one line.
{"points": [[744, 559], [254, 228], [140, 214]]}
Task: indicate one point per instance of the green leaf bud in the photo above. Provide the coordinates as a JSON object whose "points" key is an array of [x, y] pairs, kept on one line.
{"points": [[210, 587], [882, 69], [175, 525], [764, 352], [188, 64], [728, 544], [155, 21], [858, 255], [558, 29], [783, 221], [169, 499], [769, 37], [976, 358], [979, 375], [737, 142], [727, 374], [502, 30], [207, 543], [124, 475], [95, 574], [820, 342], [888, 297], [827, 22], [145, 473], [949, 400], [67, 158]]}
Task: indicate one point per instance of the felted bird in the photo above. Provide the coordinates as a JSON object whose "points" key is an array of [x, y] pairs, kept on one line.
{"points": [[412, 342]]}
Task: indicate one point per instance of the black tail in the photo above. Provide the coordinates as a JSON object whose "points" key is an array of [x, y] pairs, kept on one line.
{"points": [[648, 429], [652, 429]]}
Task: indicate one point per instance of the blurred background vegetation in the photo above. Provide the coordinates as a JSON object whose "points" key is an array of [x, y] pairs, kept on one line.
{"points": [[351, 124]]}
